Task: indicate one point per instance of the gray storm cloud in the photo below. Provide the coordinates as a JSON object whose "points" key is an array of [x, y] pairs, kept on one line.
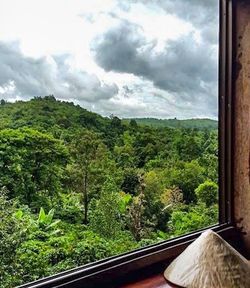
{"points": [[202, 14], [30, 77], [184, 68]]}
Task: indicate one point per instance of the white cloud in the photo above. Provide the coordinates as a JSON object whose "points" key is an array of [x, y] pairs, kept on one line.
{"points": [[22, 76]]}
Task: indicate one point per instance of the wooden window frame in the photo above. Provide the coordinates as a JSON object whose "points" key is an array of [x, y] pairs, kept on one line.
{"points": [[114, 267]]}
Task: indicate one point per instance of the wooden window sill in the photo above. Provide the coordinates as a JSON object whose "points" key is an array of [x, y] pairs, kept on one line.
{"points": [[155, 281]]}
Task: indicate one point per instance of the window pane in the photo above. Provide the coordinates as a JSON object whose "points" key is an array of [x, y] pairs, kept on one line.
{"points": [[108, 129]]}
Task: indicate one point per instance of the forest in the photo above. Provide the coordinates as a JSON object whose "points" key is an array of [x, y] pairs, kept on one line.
{"points": [[76, 187]]}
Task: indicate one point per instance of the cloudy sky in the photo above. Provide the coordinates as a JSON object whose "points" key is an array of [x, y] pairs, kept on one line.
{"points": [[131, 58]]}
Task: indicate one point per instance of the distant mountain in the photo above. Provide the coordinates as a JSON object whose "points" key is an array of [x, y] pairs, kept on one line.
{"points": [[175, 123]]}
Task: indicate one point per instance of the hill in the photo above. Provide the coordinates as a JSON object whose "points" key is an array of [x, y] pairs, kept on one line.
{"points": [[175, 123], [47, 113], [51, 115]]}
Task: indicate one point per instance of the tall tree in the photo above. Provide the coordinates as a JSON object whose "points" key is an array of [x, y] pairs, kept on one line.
{"points": [[106, 219], [91, 163], [31, 164]]}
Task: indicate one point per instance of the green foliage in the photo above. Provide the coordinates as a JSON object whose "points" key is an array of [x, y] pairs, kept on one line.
{"points": [[130, 182], [69, 208], [31, 164], [45, 113], [133, 124], [192, 218], [124, 201], [91, 165], [32, 260], [154, 207], [106, 219], [136, 210], [61, 252], [188, 176], [2, 102], [188, 146], [45, 221], [125, 154], [106, 185], [12, 232], [207, 193], [90, 249], [153, 185]]}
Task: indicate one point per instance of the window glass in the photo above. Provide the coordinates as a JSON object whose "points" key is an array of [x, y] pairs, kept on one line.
{"points": [[108, 129]]}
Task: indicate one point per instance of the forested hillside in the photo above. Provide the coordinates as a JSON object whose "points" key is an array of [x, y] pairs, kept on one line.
{"points": [[176, 123], [77, 187]]}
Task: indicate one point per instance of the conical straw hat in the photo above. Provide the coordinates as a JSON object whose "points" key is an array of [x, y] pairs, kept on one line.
{"points": [[209, 262]]}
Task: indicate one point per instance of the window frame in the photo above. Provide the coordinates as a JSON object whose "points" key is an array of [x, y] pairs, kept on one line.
{"points": [[226, 113], [117, 266]]}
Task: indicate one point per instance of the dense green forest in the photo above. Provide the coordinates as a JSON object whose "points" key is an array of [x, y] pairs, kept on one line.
{"points": [[77, 187]]}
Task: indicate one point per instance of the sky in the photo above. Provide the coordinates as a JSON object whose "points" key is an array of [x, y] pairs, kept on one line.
{"points": [[129, 58]]}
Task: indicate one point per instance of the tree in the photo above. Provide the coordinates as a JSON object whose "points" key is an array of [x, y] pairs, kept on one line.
{"points": [[172, 197], [187, 176], [3, 102], [31, 164], [136, 211], [207, 193], [90, 166], [153, 185], [133, 124], [125, 154], [145, 146], [116, 123], [188, 145], [130, 182], [154, 213], [209, 157], [113, 131], [106, 218]]}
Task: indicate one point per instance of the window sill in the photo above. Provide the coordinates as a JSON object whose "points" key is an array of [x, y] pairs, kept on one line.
{"points": [[120, 268]]}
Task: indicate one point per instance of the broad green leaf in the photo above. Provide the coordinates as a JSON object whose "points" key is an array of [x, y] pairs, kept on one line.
{"points": [[42, 216]]}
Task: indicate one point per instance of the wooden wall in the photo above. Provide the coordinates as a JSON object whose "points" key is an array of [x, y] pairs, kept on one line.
{"points": [[241, 109]]}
